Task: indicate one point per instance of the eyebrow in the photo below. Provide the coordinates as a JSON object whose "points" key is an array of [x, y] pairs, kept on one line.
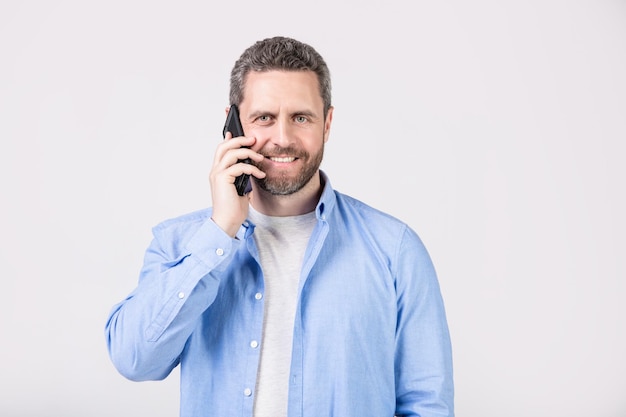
{"points": [[258, 113], [305, 113]]}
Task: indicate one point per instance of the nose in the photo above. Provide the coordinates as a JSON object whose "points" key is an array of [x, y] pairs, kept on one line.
{"points": [[283, 134]]}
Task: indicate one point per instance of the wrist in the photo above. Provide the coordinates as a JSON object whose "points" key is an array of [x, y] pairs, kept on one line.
{"points": [[230, 229]]}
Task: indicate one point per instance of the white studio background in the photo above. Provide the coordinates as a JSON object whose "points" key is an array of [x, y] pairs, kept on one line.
{"points": [[495, 129]]}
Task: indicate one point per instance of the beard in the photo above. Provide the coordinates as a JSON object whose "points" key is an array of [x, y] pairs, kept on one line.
{"points": [[281, 183]]}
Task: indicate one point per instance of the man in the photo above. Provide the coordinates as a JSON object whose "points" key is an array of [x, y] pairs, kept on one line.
{"points": [[294, 299]]}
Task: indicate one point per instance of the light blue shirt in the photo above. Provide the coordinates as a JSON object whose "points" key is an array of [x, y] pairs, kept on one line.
{"points": [[370, 336]]}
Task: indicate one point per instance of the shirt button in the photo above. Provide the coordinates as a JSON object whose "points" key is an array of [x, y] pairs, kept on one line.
{"points": [[219, 251], [181, 295], [258, 296], [254, 344], [247, 392]]}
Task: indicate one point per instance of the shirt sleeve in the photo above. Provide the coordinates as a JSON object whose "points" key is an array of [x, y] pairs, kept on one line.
{"points": [[423, 358], [179, 280]]}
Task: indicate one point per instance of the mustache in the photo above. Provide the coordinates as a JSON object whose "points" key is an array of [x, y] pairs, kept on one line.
{"points": [[283, 151]]}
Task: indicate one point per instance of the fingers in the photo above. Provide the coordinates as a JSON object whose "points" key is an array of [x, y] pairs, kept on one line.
{"points": [[228, 161], [230, 144], [229, 157], [230, 209]]}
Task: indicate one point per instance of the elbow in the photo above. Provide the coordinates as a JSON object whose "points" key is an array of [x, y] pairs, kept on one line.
{"points": [[136, 366], [136, 360]]}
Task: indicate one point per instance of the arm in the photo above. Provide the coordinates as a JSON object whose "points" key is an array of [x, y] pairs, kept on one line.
{"points": [[423, 361], [147, 332]]}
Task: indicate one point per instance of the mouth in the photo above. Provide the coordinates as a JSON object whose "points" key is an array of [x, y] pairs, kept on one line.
{"points": [[282, 159]]}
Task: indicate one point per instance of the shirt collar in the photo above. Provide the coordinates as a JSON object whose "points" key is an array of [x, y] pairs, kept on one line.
{"points": [[327, 199]]}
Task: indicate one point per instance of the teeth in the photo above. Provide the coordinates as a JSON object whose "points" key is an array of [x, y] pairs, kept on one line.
{"points": [[286, 159]]}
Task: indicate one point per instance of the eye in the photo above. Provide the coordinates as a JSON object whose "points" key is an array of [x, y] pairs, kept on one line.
{"points": [[264, 119], [300, 119]]}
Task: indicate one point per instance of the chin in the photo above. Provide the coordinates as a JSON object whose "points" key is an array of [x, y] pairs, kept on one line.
{"points": [[283, 185]]}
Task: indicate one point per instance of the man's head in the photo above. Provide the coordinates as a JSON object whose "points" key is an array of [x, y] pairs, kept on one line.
{"points": [[281, 54], [282, 89]]}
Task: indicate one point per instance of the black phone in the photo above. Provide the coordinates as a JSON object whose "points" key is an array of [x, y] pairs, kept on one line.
{"points": [[233, 125]]}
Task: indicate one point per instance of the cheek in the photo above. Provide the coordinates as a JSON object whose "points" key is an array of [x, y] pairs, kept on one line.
{"points": [[262, 138]]}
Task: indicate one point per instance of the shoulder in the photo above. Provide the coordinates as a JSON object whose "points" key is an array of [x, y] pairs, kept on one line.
{"points": [[340, 208], [354, 210], [183, 225], [380, 229], [381, 235]]}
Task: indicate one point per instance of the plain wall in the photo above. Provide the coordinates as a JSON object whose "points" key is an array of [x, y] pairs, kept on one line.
{"points": [[495, 129]]}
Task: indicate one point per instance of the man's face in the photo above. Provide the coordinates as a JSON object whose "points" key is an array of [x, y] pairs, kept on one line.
{"points": [[284, 111]]}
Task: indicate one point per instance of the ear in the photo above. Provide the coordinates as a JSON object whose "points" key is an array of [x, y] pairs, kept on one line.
{"points": [[227, 109], [327, 123]]}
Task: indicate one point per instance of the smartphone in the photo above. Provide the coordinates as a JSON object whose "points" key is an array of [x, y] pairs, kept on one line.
{"points": [[233, 125]]}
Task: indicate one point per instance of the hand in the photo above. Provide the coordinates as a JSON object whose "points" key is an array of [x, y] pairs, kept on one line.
{"points": [[229, 209]]}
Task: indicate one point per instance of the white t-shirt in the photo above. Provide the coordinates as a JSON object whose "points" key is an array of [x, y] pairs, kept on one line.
{"points": [[282, 242]]}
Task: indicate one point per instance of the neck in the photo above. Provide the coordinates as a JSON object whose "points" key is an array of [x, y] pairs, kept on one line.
{"points": [[301, 202]]}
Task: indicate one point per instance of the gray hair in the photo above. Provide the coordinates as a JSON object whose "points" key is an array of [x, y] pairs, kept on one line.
{"points": [[283, 54]]}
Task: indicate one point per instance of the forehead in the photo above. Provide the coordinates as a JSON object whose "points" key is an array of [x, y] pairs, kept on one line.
{"points": [[281, 88]]}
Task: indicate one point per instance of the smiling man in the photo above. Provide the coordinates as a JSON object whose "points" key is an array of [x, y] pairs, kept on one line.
{"points": [[284, 107], [293, 299]]}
